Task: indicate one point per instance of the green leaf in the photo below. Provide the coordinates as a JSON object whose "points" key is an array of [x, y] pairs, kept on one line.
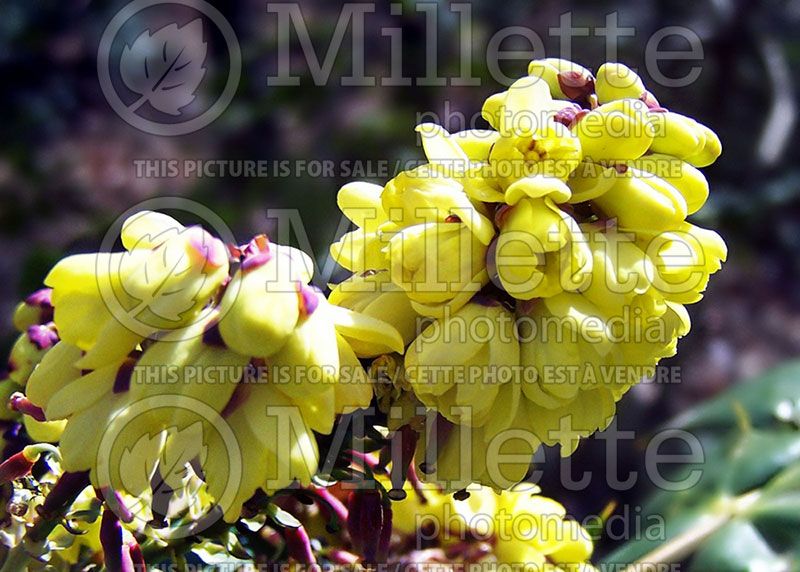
{"points": [[750, 485], [736, 547]]}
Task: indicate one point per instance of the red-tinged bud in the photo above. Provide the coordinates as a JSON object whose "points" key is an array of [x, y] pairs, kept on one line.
{"points": [[35, 309], [17, 466], [43, 336], [651, 102], [569, 115], [18, 402], [368, 517], [298, 545], [403, 445], [256, 253], [576, 85], [42, 298], [308, 299], [208, 249], [111, 540]]}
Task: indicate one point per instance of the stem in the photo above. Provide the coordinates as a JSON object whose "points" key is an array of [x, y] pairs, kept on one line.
{"points": [[687, 542], [55, 506], [682, 545]]}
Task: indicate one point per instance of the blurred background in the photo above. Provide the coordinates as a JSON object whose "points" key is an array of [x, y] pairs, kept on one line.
{"points": [[67, 160]]}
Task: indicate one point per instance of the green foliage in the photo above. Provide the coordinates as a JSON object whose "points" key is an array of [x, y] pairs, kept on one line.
{"points": [[748, 496]]}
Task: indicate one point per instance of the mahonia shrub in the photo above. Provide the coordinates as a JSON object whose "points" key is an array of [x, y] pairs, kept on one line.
{"points": [[180, 394]]}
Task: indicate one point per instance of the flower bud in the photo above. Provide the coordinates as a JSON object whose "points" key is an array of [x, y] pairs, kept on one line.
{"points": [[641, 201], [18, 465], [677, 135], [617, 81], [566, 80], [148, 229], [35, 309], [712, 148], [361, 203], [111, 540], [435, 262], [372, 294], [684, 260], [369, 523], [614, 132], [523, 109], [106, 303], [540, 251], [688, 180], [28, 351], [260, 307]]}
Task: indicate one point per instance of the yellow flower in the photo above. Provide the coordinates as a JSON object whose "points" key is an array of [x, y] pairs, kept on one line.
{"points": [[525, 108], [587, 184], [436, 262], [551, 150], [684, 260], [263, 302], [521, 527], [107, 303], [640, 201], [618, 81], [616, 131], [540, 250], [426, 195], [465, 157], [238, 390], [372, 294], [461, 363]]}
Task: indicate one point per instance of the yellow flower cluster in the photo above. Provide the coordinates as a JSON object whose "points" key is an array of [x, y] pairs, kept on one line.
{"points": [[550, 256], [520, 529], [181, 351]]}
